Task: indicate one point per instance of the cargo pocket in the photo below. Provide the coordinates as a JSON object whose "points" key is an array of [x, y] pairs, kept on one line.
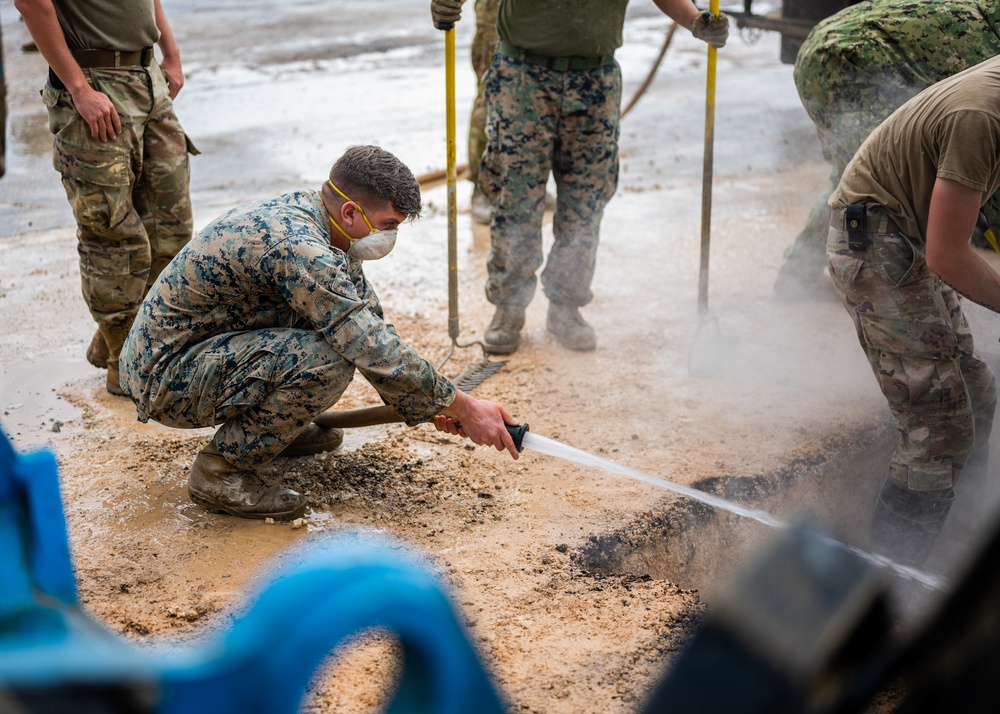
{"points": [[917, 365], [107, 277], [97, 182], [248, 378], [188, 397], [911, 339]]}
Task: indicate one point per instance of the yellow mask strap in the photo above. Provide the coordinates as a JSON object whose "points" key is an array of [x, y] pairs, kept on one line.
{"points": [[992, 239], [345, 197]]}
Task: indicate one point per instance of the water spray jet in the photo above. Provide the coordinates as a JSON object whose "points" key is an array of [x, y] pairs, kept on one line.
{"points": [[544, 445], [525, 439]]}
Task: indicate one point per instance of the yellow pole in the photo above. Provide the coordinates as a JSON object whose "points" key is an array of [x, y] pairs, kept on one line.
{"points": [[706, 184], [449, 75]]}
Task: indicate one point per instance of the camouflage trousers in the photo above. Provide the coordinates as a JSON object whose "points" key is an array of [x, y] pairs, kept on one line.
{"points": [[129, 195], [919, 346], [263, 387], [542, 121], [484, 44]]}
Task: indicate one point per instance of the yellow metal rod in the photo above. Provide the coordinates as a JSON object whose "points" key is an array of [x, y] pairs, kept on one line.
{"points": [[449, 81], [707, 170]]}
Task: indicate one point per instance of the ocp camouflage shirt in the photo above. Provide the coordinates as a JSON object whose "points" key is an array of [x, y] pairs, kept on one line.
{"points": [[270, 264]]}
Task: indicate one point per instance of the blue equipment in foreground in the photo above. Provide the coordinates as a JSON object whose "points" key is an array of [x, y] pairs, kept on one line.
{"points": [[55, 658]]}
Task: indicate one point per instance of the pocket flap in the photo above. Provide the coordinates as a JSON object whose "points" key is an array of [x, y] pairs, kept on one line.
{"points": [[911, 339], [101, 167]]}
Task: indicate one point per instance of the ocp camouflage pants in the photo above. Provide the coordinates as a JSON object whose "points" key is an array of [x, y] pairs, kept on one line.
{"points": [[264, 387], [918, 343], [129, 195], [484, 44], [542, 121]]}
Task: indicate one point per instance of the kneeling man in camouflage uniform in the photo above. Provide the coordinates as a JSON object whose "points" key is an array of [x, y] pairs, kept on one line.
{"points": [[900, 257], [260, 321]]}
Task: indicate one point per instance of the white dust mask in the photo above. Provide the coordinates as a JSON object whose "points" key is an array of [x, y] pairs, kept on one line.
{"points": [[374, 246]]}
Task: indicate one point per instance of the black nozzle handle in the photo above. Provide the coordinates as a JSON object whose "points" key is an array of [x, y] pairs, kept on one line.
{"points": [[517, 434]]}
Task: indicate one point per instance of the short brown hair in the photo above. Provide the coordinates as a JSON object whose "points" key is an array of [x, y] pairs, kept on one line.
{"points": [[367, 173]]}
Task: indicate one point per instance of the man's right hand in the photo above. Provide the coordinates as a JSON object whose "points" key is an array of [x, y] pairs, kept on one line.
{"points": [[446, 13], [482, 421], [713, 29], [99, 112]]}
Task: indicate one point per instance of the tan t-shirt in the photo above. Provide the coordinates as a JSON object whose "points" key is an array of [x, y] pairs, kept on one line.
{"points": [[125, 25], [951, 130]]}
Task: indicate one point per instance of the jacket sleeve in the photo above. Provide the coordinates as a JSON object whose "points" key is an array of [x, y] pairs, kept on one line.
{"points": [[316, 284]]}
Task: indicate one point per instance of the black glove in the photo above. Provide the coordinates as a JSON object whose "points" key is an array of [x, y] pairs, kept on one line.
{"points": [[708, 28], [446, 13]]}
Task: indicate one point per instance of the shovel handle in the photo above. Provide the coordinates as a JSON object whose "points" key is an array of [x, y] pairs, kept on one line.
{"points": [[354, 418]]}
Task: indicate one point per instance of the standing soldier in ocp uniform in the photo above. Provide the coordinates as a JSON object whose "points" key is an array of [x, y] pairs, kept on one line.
{"points": [[120, 149], [553, 96], [858, 66]]}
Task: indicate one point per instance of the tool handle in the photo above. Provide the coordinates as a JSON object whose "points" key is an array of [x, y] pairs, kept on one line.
{"points": [[353, 418], [707, 173], [450, 161]]}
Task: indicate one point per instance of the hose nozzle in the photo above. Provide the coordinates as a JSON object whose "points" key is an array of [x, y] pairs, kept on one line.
{"points": [[517, 434]]}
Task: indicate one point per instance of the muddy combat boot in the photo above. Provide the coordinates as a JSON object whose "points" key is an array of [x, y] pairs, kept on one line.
{"points": [[906, 523], [503, 336], [569, 327], [314, 439], [219, 486], [114, 338], [480, 207], [112, 381], [97, 351]]}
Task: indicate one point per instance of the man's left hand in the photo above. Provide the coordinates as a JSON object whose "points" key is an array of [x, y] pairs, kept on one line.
{"points": [[175, 76], [711, 29]]}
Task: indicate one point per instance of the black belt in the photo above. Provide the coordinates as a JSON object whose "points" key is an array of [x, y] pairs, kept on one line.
{"points": [[114, 58], [860, 222], [558, 64]]}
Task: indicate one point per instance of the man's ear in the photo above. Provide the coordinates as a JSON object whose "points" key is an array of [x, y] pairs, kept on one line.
{"points": [[348, 212]]}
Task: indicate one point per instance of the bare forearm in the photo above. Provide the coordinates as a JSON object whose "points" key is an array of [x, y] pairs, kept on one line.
{"points": [[683, 12], [950, 221], [974, 279], [43, 25], [166, 43]]}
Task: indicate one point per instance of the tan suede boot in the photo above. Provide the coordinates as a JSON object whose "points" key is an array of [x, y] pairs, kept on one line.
{"points": [[112, 382], [114, 338], [503, 336], [97, 351], [569, 327]]}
